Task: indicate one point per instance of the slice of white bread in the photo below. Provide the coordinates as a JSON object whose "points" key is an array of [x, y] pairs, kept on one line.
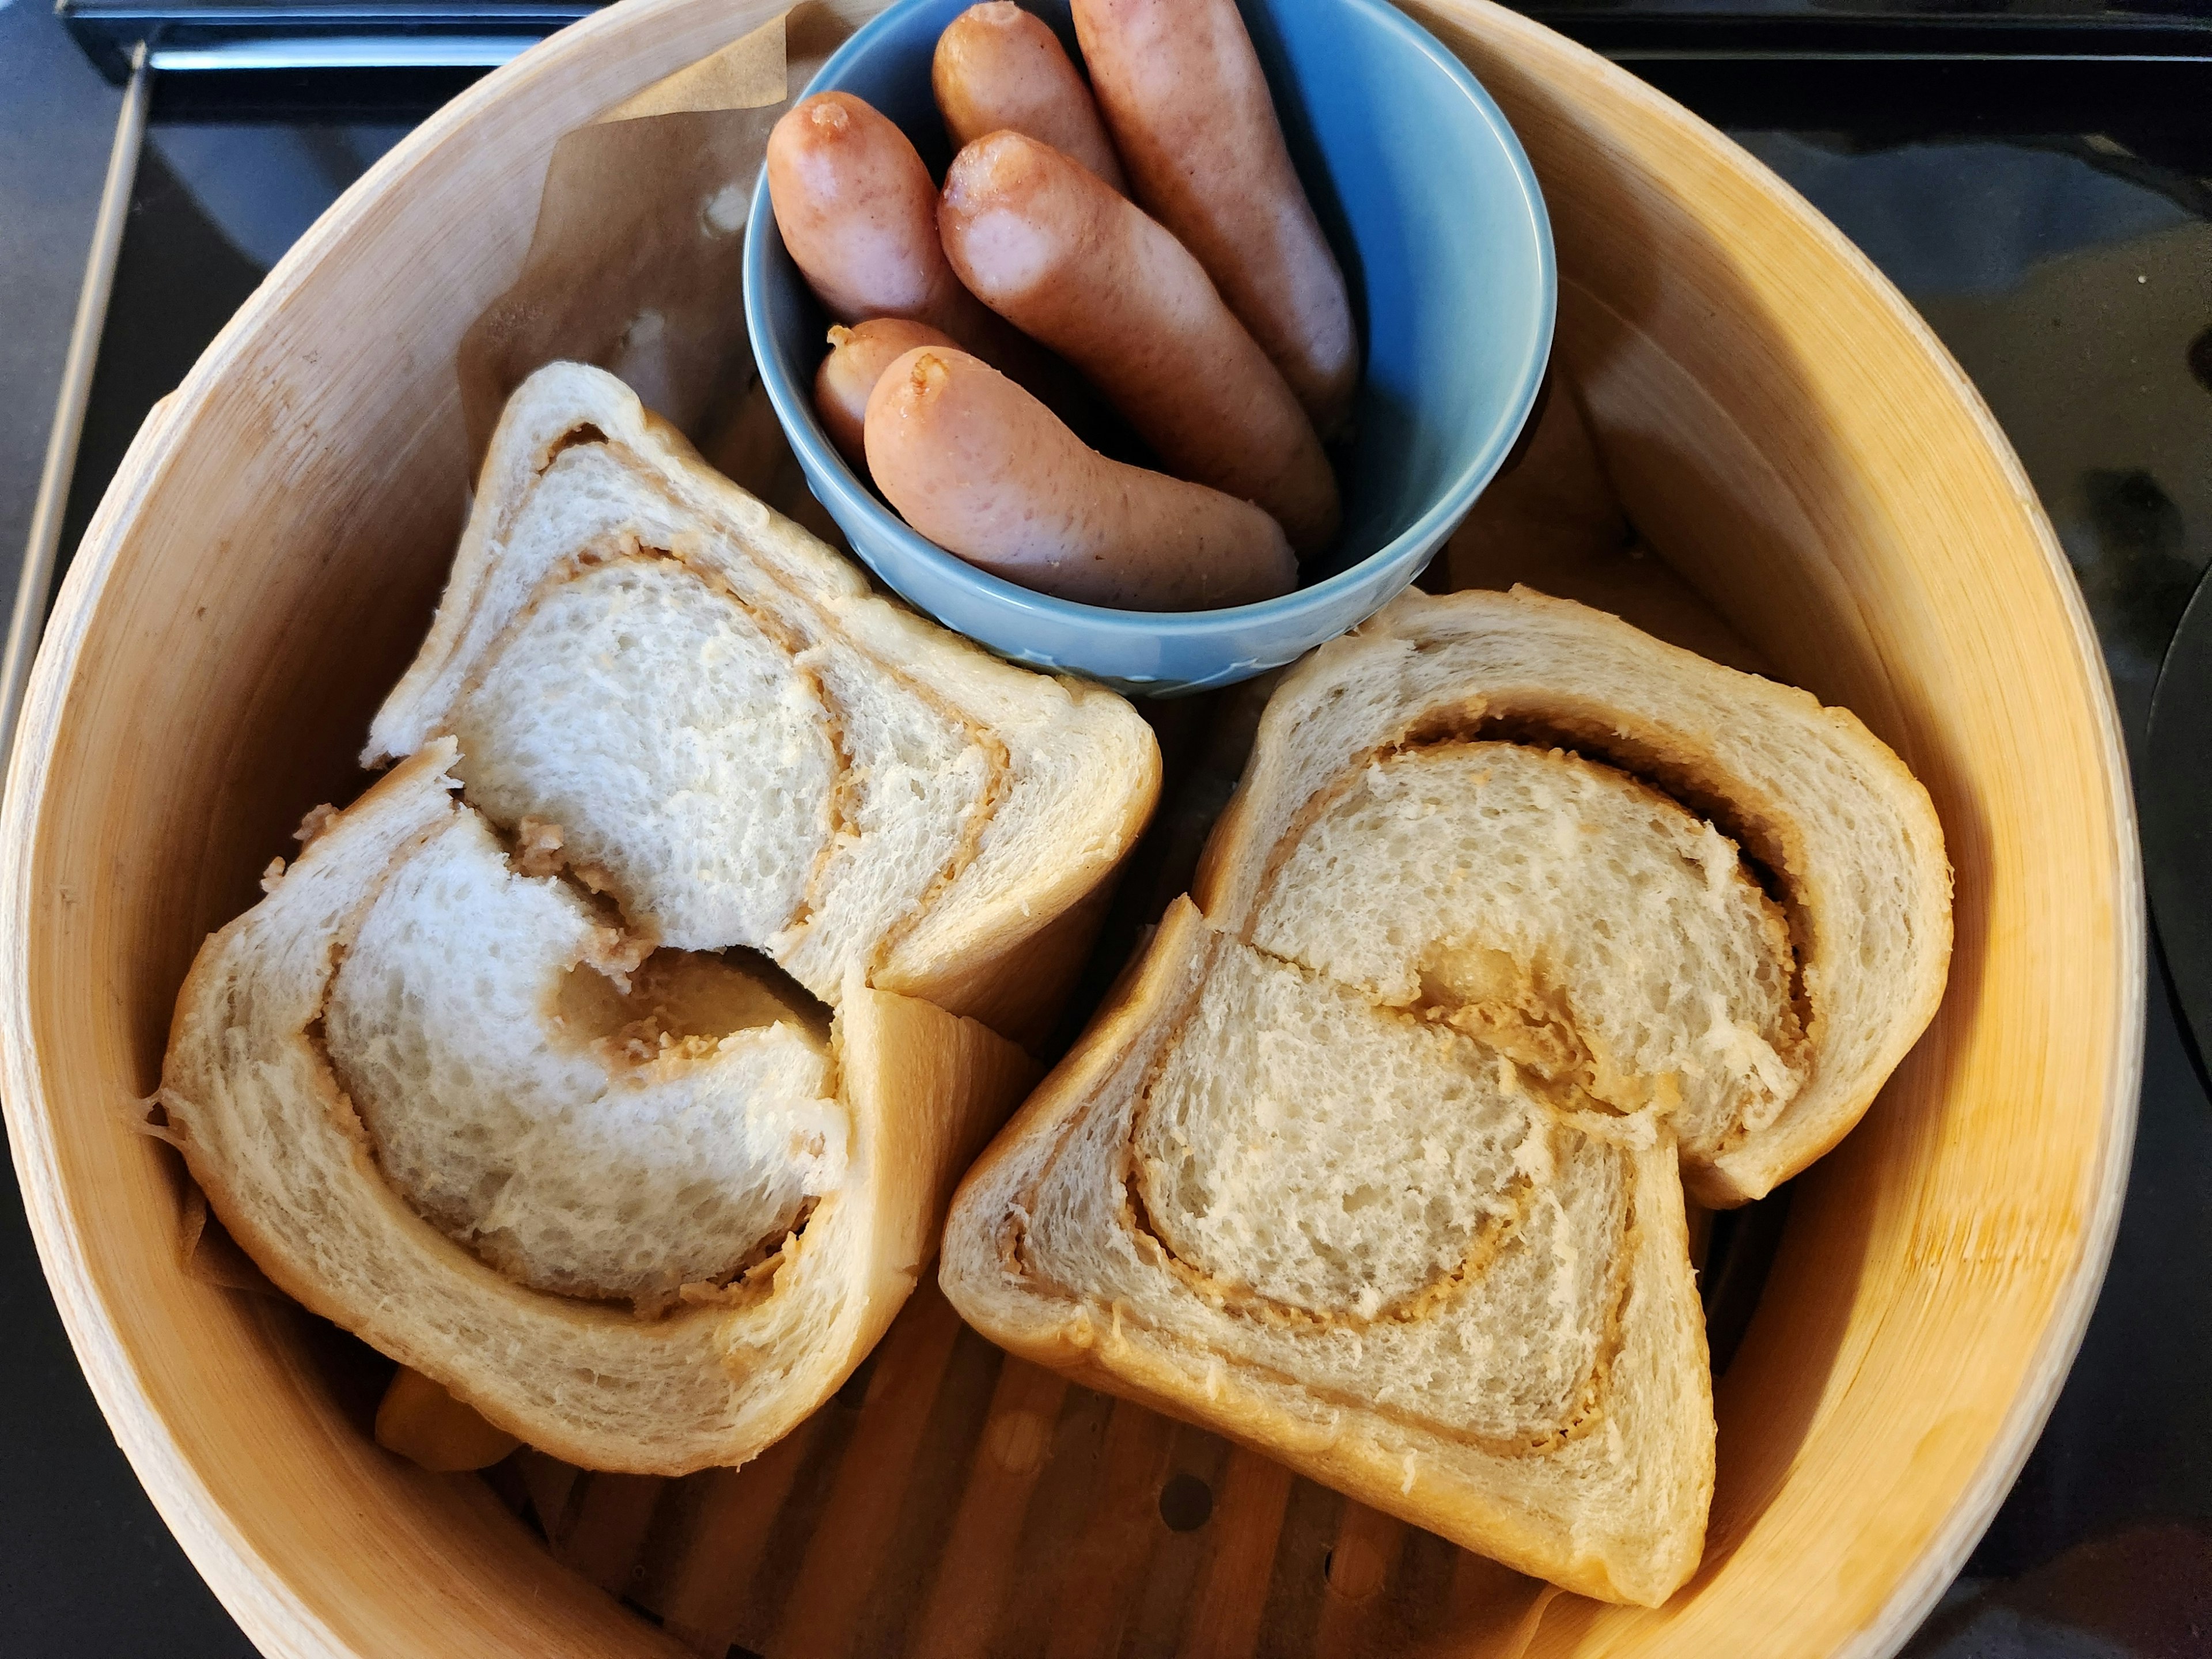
{"points": [[1377, 1162], [788, 1181], [708, 714], [515, 1087], [1341, 1234], [1826, 816]]}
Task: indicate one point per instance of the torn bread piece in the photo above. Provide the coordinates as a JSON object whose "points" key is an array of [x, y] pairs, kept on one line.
{"points": [[406, 1083], [1519, 922], [739, 743]]}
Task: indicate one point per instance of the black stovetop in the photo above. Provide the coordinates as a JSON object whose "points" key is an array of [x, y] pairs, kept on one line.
{"points": [[2036, 177]]}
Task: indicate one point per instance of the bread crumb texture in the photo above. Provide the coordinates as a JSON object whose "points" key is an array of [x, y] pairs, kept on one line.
{"points": [[581, 1140], [1576, 921]]}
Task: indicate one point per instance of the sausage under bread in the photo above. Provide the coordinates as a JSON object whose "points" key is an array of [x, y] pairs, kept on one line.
{"points": [[858, 356], [997, 67], [1191, 116], [1051, 248], [988, 473]]}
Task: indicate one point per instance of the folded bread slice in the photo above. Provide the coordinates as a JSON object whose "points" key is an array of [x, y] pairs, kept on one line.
{"points": [[702, 711], [1752, 967], [440, 1102], [1343, 1235], [1378, 1162]]}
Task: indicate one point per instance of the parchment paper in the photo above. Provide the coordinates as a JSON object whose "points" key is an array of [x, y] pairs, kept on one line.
{"points": [[634, 265]]}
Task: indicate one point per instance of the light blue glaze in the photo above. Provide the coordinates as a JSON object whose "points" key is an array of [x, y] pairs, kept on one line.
{"points": [[1434, 213]]}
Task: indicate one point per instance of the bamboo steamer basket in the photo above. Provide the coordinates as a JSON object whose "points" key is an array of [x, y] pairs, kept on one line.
{"points": [[1781, 426]]}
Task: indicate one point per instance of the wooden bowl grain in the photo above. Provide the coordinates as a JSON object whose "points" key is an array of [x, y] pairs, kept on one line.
{"points": [[1781, 426]]}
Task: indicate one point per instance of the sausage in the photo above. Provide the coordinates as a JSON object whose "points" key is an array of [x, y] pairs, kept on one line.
{"points": [[997, 68], [858, 356], [1060, 255], [988, 473], [1188, 109], [857, 210]]}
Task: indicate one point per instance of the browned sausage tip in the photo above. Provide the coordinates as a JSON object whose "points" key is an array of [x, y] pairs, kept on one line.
{"points": [[857, 210], [999, 67], [858, 356]]}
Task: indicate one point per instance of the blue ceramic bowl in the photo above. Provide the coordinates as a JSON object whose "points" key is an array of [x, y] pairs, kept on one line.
{"points": [[1434, 214]]}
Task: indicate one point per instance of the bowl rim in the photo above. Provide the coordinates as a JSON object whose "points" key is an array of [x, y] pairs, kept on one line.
{"points": [[821, 462]]}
